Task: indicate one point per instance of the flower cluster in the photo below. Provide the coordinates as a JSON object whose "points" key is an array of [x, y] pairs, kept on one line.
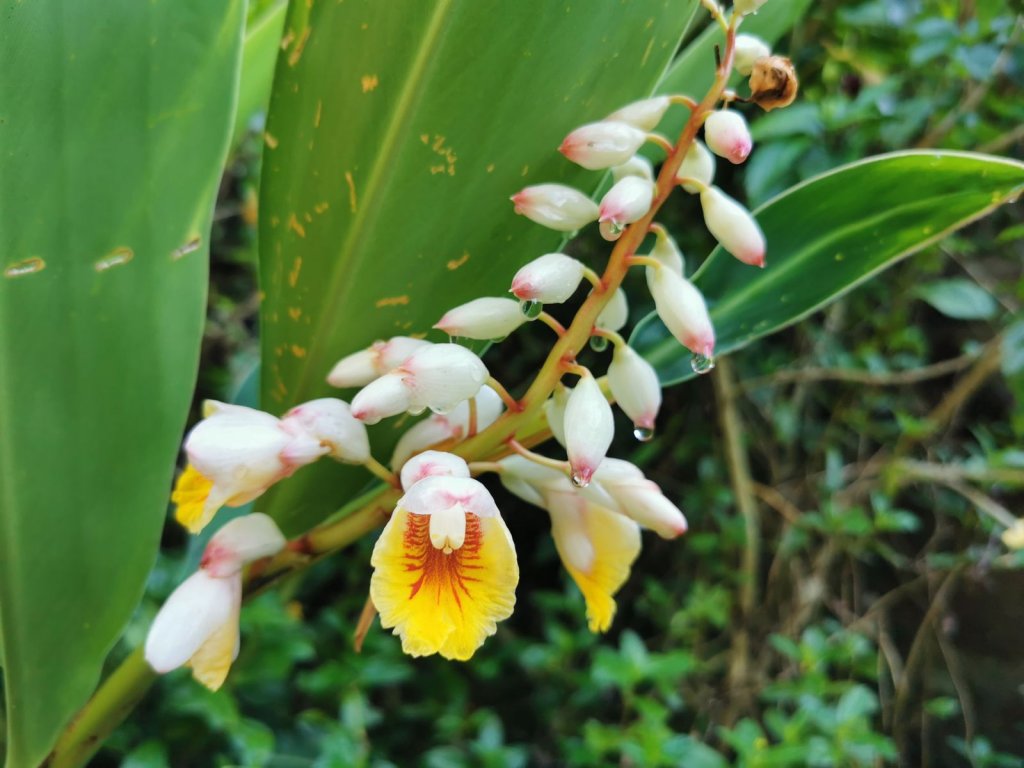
{"points": [[444, 567]]}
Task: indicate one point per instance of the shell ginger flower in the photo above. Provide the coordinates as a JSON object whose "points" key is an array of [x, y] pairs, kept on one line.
{"points": [[444, 568]]}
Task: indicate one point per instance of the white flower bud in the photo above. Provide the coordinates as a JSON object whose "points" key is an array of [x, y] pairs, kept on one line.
{"points": [[529, 480], [601, 145], [681, 307], [727, 135], [746, 7], [440, 427], [667, 253], [733, 226], [555, 206], [615, 313], [634, 385], [386, 396], [432, 464], [748, 50], [554, 412], [484, 319], [639, 498], [360, 368], [589, 428], [241, 541], [442, 376], [195, 611], [627, 201], [330, 421], [243, 451], [550, 279], [638, 165], [644, 114], [699, 165]]}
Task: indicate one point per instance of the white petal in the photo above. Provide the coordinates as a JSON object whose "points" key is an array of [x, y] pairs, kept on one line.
{"points": [[330, 421], [554, 412], [635, 386], [627, 201], [733, 226], [193, 612], [638, 165], [569, 530], [601, 145], [387, 396], [433, 494], [615, 313], [529, 480], [431, 464], [644, 114], [423, 434], [355, 370], [681, 307], [555, 206], [550, 279], [442, 376], [699, 164], [240, 541], [483, 319]]}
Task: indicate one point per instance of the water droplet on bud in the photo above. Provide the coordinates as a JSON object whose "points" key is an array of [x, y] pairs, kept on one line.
{"points": [[579, 481], [643, 434], [598, 343], [702, 364], [531, 309]]}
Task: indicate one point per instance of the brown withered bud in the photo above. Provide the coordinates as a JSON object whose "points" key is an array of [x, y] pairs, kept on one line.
{"points": [[773, 82]]}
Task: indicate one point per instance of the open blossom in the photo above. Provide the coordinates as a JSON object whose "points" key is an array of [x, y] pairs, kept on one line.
{"points": [[727, 135], [234, 455], [445, 569], [438, 377], [439, 427], [697, 169], [198, 625], [733, 226], [634, 385], [644, 114], [549, 279], [362, 367], [601, 145], [483, 319], [589, 427], [432, 464], [597, 545], [682, 308], [627, 201], [555, 206]]}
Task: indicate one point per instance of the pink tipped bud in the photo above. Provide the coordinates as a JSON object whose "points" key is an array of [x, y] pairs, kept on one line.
{"points": [[550, 279], [601, 145], [483, 319], [681, 307], [635, 386], [640, 499], [644, 114], [442, 376], [615, 314], [667, 253], [733, 226], [627, 201], [698, 165], [432, 464], [440, 427], [360, 368], [748, 50], [386, 396], [331, 422], [589, 429], [638, 165], [555, 206], [554, 413], [747, 7], [728, 136], [241, 541]]}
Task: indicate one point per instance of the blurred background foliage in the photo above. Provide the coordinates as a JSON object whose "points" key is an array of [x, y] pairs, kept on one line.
{"points": [[875, 617]]}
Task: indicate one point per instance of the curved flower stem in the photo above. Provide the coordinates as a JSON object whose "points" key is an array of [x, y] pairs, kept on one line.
{"points": [[645, 261], [382, 472], [551, 323], [612, 336], [511, 403], [537, 458]]}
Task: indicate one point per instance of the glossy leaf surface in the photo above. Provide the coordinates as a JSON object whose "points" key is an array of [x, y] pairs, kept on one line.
{"points": [[831, 233], [114, 121], [397, 133]]}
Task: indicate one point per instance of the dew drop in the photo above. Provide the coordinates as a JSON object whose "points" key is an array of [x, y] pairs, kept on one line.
{"points": [[643, 434], [115, 258], [609, 230], [531, 309], [579, 481], [190, 247], [598, 343], [702, 364], [25, 267]]}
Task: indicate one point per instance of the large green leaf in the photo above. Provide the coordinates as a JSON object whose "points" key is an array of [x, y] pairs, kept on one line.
{"points": [[397, 132], [114, 121], [831, 233], [259, 53]]}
